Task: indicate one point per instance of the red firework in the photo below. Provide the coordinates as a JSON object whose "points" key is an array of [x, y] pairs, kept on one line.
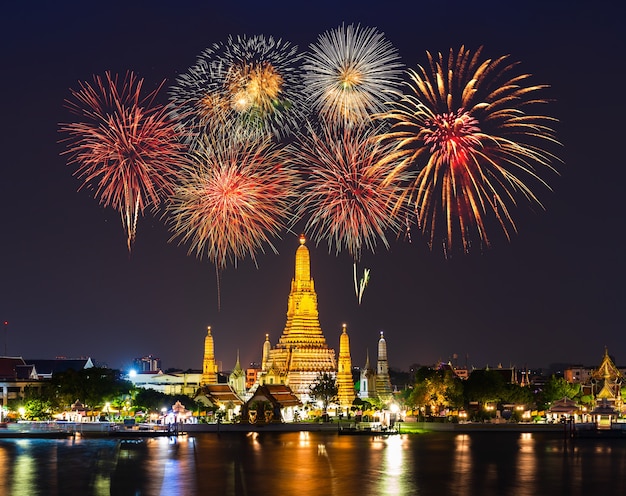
{"points": [[349, 197], [125, 147]]}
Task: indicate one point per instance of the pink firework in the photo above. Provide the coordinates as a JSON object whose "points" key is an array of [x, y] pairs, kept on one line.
{"points": [[126, 148], [349, 198], [234, 199]]}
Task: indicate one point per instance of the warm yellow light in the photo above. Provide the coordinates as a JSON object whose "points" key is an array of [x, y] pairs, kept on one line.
{"points": [[254, 86], [350, 77]]}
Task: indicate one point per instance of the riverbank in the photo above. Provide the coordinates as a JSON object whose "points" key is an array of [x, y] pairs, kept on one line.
{"points": [[96, 429], [483, 427]]}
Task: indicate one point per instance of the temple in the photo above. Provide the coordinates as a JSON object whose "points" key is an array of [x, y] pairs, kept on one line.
{"points": [[607, 384], [301, 353]]}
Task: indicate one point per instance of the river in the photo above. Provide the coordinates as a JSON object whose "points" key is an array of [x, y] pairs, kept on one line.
{"points": [[316, 463]]}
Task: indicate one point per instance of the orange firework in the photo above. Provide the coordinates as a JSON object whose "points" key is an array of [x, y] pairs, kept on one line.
{"points": [[472, 130], [126, 148], [234, 199]]}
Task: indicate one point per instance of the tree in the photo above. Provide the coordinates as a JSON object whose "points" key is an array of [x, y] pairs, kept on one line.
{"points": [[93, 386], [484, 386], [518, 395], [436, 389], [324, 389], [557, 388], [151, 399]]}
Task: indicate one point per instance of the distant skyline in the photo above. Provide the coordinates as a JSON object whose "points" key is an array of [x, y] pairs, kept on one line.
{"points": [[554, 294]]}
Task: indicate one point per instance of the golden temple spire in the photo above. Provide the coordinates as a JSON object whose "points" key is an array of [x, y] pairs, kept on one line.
{"points": [[209, 367], [303, 263], [267, 347], [345, 384]]}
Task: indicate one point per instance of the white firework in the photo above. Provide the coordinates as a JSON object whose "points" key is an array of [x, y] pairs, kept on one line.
{"points": [[349, 72]]}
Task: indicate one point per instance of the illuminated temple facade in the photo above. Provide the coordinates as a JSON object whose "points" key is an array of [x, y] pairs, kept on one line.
{"points": [[301, 353]]}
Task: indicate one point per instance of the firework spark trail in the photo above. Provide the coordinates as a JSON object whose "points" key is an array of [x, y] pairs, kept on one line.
{"points": [[235, 198], [349, 72], [251, 83], [126, 147], [347, 198], [469, 127]]}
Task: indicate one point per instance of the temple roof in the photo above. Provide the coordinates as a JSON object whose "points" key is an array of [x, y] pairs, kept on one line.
{"points": [[58, 365], [16, 368], [219, 394], [277, 394], [564, 405], [607, 369]]}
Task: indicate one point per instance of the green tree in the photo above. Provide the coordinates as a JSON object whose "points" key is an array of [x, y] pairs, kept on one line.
{"points": [[484, 386], [518, 395], [324, 389], [436, 390], [151, 399], [454, 389], [37, 409], [93, 387], [557, 388]]}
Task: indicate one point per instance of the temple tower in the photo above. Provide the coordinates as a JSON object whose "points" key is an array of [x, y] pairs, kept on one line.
{"points": [[267, 347], [301, 353], [367, 384], [383, 382], [345, 384], [237, 379], [209, 367]]}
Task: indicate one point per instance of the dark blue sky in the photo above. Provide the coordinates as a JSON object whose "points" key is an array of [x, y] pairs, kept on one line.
{"points": [[68, 286]]}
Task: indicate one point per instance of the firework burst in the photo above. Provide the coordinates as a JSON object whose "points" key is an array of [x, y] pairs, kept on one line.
{"points": [[348, 198], [469, 125], [125, 147], [234, 199], [252, 83], [349, 72]]}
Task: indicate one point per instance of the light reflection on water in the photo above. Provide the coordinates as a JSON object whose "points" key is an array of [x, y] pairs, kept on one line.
{"points": [[315, 463]]}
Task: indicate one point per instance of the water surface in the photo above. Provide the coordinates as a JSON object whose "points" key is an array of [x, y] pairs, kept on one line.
{"points": [[316, 463]]}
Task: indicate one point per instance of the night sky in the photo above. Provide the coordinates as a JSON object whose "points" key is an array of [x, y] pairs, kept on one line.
{"points": [[68, 286]]}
